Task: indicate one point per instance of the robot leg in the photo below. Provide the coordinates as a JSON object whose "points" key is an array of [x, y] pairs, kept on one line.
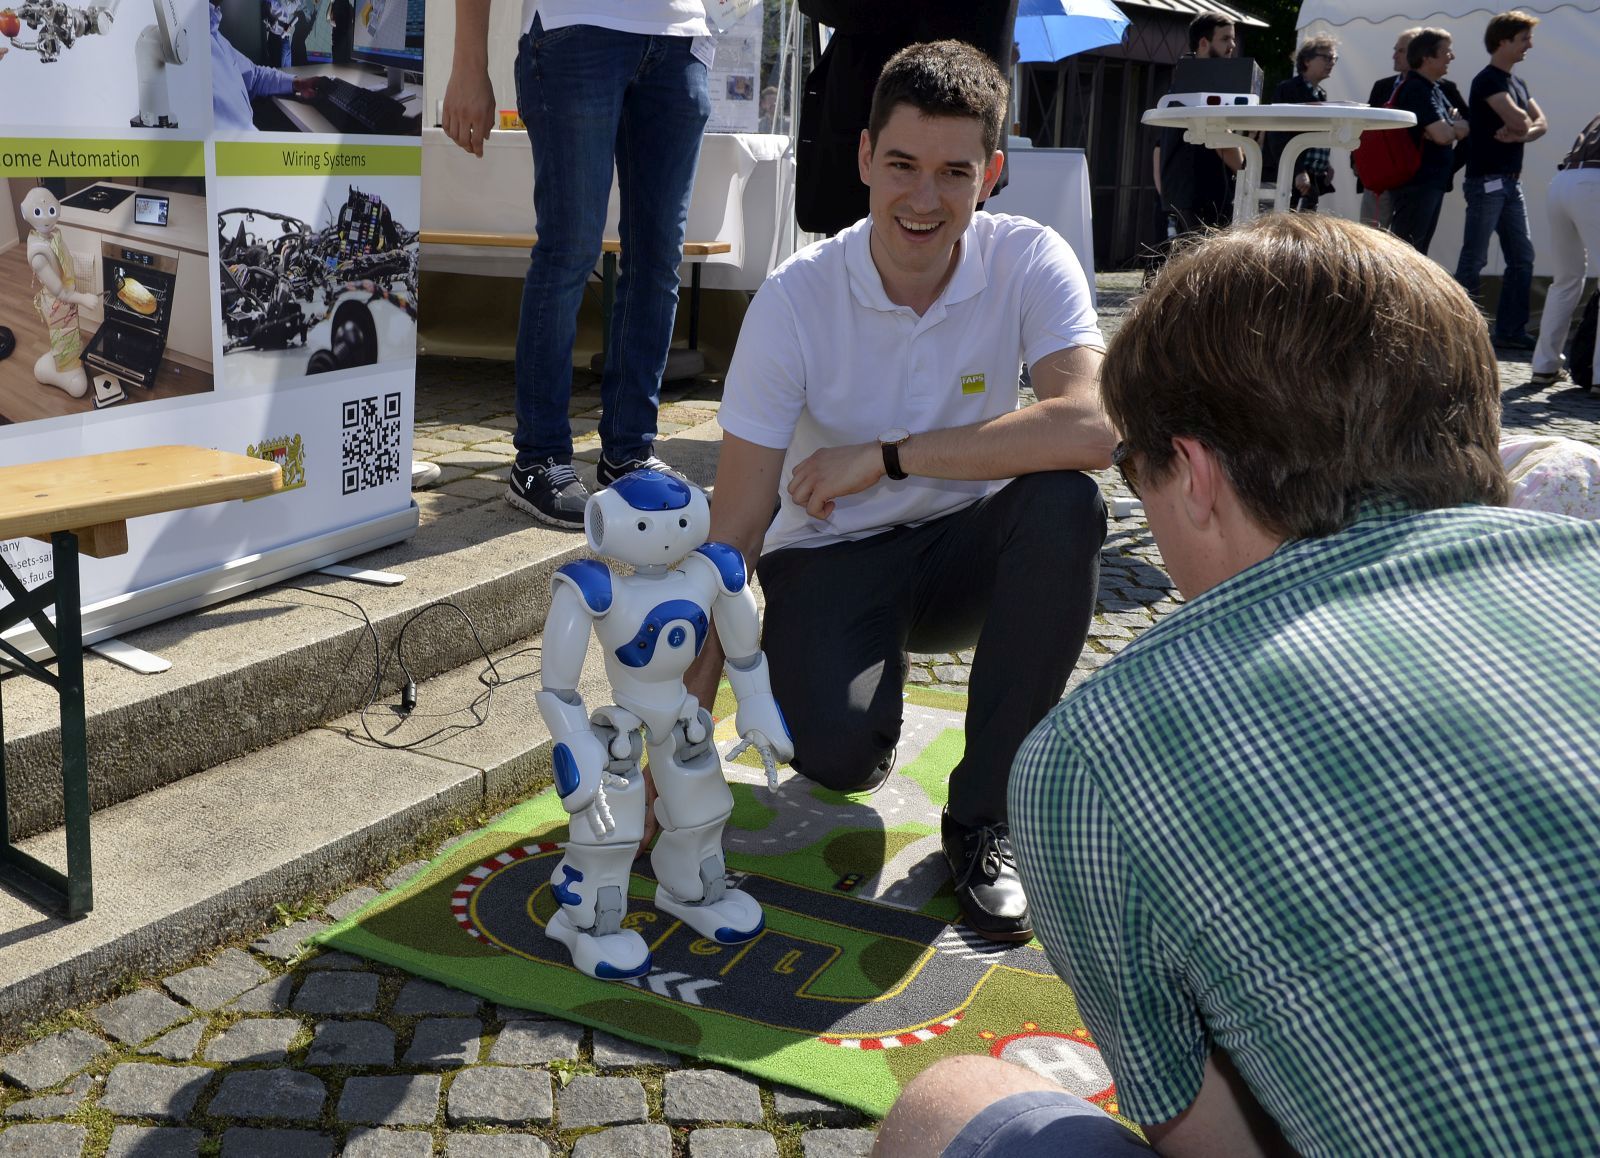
{"points": [[591, 884], [693, 804]]}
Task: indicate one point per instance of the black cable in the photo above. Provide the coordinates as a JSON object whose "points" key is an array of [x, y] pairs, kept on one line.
{"points": [[478, 707]]}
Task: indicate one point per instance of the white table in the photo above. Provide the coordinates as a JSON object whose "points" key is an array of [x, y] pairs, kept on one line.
{"points": [[1316, 126]]}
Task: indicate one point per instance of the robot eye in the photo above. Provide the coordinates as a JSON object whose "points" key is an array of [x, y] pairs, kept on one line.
{"points": [[50, 209], [643, 525], [38, 211]]}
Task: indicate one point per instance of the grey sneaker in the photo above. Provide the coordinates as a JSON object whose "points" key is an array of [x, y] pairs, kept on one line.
{"points": [[550, 491], [1548, 377], [607, 472]]}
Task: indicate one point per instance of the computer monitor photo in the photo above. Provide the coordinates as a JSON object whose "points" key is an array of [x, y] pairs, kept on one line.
{"points": [[388, 36]]}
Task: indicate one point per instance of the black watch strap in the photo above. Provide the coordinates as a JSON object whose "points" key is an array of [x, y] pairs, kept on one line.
{"points": [[891, 461]]}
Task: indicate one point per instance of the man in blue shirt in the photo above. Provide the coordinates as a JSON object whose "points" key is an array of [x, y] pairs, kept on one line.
{"points": [[236, 80], [1504, 117]]}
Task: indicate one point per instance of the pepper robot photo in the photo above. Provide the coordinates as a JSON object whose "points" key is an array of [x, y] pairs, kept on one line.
{"points": [[651, 623]]}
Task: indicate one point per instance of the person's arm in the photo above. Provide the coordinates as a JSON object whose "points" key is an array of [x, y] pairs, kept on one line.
{"points": [[1224, 1118], [1537, 125], [1514, 120], [1065, 430], [1233, 158], [742, 503], [1440, 132], [468, 113], [1459, 129]]}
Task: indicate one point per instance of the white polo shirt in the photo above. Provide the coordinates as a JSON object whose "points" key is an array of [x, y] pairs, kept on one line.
{"points": [[645, 17], [826, 359]]}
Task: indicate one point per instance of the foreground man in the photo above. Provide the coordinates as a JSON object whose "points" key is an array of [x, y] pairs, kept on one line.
{"points": [[1318, 853], [875, 387]]}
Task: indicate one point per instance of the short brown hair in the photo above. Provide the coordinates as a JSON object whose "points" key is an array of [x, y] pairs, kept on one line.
{"points": [[943, 78], [1506, 26], [1425, 44], [1324, 363]]}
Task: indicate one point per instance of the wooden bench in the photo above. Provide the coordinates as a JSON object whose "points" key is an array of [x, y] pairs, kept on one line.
{"points": [[694, 252], [81, 506]]}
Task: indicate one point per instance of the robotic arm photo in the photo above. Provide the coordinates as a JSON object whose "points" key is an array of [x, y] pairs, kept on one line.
{"points": [[57, 26]]}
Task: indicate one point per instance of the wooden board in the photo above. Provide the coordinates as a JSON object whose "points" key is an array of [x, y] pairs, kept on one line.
{"points": [[691, 249], [70, 493]]}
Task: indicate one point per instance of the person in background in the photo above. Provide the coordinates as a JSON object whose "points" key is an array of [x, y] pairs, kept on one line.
{"points": [[1196, 183], [600, 84], [1309, 850], [1439, 126], [1504, 117], [1573, 204], [1376, 208], [1313, 169]]}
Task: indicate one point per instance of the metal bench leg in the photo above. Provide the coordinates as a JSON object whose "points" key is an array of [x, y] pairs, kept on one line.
{"points": [[72, 892], [74, 728]]}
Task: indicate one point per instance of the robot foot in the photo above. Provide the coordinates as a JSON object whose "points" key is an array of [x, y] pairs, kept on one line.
{"points": [[733, 920], [611, 957]]}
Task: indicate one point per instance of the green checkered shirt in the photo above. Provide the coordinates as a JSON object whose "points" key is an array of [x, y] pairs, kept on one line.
{"points": [[1340, 817]]}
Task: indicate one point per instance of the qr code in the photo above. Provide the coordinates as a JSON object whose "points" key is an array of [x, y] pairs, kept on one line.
{"points": [[371, 442]]}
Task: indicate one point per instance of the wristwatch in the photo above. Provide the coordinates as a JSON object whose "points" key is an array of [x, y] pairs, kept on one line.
{"points": [[890, 440]]}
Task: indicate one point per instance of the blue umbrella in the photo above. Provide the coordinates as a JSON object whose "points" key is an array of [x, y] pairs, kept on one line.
{"points": [[1054, 29]]}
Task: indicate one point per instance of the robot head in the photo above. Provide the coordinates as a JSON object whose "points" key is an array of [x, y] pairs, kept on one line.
{"points": [[41, 210], [647, 519]]}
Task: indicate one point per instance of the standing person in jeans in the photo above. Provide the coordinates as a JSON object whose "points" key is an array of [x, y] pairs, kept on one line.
{"points": [[598, 82], [1439, 126], [874, 392], [1504, 117], [1574, 207]]}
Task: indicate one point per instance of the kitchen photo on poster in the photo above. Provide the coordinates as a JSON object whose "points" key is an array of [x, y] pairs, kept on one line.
{"points": [[335, 67], [114, 65], [104, 293], [317, 274]]}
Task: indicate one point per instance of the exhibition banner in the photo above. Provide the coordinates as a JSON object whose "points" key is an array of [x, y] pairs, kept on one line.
{"points": [[211, 239]]}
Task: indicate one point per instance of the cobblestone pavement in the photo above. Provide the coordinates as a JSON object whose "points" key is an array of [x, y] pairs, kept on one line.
{"points": [[255, 1053]]}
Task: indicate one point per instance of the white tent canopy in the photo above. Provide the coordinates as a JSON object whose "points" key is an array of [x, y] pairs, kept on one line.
{"points": [[1560, 72]]}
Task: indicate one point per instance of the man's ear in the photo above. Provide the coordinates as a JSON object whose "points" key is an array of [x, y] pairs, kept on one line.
{"points": [[991, 174], [864, 156], [1199, 479]]}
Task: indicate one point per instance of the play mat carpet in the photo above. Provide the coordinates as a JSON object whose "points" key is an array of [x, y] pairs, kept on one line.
{"points": [[858, 982]]}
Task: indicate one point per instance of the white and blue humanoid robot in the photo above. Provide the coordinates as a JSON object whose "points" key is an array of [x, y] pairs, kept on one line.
{"points": [[651, 624]]}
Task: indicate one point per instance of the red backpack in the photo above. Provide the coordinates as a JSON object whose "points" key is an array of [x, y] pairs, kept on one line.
{"points": [[1386, 158]]}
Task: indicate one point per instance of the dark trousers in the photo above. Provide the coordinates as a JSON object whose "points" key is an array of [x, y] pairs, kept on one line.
{"points": [[1015, 573], [1416, 214]]}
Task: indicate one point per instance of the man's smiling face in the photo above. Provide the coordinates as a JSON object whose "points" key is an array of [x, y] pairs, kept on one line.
{"points": [[925, 178]]}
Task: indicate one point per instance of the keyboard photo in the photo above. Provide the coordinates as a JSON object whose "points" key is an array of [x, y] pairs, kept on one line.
{"points": [[353, 109]]}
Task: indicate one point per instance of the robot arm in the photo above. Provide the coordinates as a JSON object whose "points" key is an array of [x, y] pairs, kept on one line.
{"points": [[580, 756], [739, 627]]}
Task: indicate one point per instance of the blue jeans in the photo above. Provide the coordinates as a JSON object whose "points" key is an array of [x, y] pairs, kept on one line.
{"points": [[1415, 214], [590, 97], [1502, 211]]}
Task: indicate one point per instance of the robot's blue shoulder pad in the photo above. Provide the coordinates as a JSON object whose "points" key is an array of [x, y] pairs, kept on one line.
{"points": [[728, 562], [592, 580], [652, 490]]}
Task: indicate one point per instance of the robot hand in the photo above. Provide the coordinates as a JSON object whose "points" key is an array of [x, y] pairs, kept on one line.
{"points": [[580, 766], [89, 301], [761, 724]]}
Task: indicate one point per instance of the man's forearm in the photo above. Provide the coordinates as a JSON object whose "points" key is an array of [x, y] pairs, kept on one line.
{"points": [[1052, 434], [472, 35]]}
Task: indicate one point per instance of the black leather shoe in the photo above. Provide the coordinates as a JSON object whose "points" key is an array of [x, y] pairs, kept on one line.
{"points": [[986, 882]]}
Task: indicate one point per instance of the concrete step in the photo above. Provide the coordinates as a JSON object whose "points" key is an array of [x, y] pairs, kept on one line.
{"points": [[247, 776], [204, 860], [256, 670]]}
